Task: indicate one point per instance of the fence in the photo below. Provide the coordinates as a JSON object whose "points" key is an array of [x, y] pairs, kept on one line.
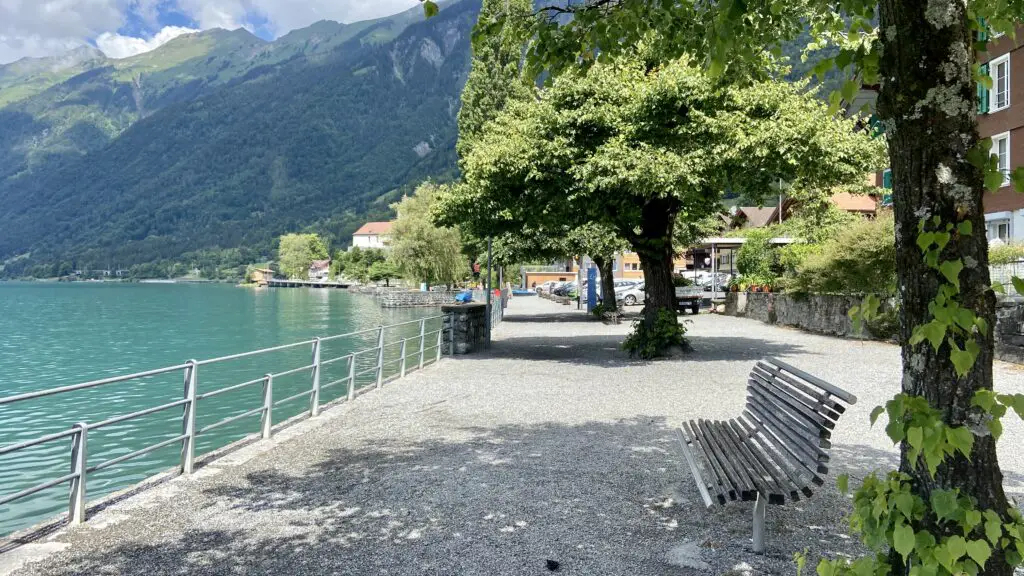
{"points": [[1002, 273], [364, 369]]}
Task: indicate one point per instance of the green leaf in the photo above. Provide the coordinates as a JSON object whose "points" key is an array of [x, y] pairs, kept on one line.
{"points": [[962, 360], [979, 551], [1018, 285], [961, 439], [876, 413], [995, 427], [430, 8], [993, 527], [944, 504], [849, 90], [951, 270], [942, 554], [843, 483], [998, 288], [905, 504], [993, 180], [971, 519], [903, 539], [965, 228], [956, 546], [914, 438], [933, 331]]}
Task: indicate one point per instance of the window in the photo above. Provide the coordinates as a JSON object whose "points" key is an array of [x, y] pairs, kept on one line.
{"points": [[999, 230], [615, 265], [887, 179], [999, 69], [1001, 150]]}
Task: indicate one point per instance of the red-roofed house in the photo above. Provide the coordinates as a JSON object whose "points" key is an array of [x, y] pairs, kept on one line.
{"points": [[320, 270], [372, 235]]}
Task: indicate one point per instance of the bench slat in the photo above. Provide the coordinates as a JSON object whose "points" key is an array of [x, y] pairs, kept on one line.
{"points": [[782, 464], [806, 444], [762, 463], [735, 464], [764, 482], [744, 489], [790, 404], [781, 419], [724, 489], [786, 450], [833, 390], [702, 485], [820, 402]]}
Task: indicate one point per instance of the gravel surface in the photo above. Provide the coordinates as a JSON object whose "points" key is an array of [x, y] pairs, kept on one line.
{"points": [[551, 451]]}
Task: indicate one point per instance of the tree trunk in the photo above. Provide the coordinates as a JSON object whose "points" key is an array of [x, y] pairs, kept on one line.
{"points": [[604, 266], [654, 247], [927, 104]]}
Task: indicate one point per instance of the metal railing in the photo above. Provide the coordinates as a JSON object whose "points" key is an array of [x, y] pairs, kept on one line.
{"points": [[1002, 273], [79, 432]]}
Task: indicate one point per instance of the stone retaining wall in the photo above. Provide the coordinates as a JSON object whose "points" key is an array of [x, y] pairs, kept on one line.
{"points": [[470, 327], [412, 299], [827, 314]]}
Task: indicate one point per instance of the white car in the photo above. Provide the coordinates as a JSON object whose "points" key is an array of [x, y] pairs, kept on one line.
{"points": [[631, 295], [547, 286]]}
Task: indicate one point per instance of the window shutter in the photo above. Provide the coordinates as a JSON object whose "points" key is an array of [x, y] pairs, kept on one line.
{"points": [[887, 179], [983, 93], [983, 33]]}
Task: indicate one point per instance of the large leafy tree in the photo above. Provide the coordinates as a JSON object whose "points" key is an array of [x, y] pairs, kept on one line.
{"points": [[639, 148], [297, 251], [422, 250], [920, 56]]}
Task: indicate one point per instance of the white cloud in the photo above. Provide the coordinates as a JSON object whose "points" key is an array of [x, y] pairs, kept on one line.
{"points": [[284, 16], [118, 46]]}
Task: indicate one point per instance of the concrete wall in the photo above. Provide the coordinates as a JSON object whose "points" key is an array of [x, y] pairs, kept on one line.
{"points": [[827, 314]]}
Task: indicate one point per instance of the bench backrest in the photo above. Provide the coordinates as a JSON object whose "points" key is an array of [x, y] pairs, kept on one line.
{"points": [[795, 411]]}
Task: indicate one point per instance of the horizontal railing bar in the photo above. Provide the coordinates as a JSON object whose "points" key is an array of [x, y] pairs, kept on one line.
{"points": [[293, 397], [33, 442], [293, 371], [350, 334], [335, 383], [367, 371], [136, 454], [229, 420], [333, 360], [230, 388], [117, 419], [416, 321], [91, 384], [37, 488], [254, 352]]}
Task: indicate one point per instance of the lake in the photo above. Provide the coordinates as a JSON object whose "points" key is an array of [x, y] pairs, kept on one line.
{"points": [[61, 334]]}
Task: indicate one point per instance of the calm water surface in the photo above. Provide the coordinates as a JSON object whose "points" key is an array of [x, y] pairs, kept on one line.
{"points": [[60, 334]]}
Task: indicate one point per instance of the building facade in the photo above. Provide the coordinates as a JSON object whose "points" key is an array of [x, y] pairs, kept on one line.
{"points": [[372, 235], [1001, 118]]}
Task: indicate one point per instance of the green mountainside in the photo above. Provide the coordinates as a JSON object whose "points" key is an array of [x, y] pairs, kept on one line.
{"points": [[207, 148]]}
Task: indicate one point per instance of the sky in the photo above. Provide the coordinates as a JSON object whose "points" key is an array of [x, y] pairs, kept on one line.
{"points": [[123, 28]]}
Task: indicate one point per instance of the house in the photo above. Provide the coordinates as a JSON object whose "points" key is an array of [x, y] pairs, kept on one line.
{"points": [[372, 235], [261, 275], [320, 270]]}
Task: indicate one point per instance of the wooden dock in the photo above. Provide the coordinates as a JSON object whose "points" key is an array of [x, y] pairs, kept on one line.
{"points": [[280, 283]]}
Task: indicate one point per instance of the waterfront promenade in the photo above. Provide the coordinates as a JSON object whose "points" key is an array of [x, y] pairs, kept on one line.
{"points": [[553, 445]]}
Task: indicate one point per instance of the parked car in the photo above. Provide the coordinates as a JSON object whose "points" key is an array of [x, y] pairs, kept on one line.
{"points": [[547, 286], [564, 289], [688, 294], [631, 295]]}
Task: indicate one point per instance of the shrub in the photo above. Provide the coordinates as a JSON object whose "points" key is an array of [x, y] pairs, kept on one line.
{"points": [[860, 260], [649, 342], [1005, 254], [757, 257]]}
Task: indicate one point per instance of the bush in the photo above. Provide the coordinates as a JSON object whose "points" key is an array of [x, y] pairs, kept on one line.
{"points": [[650, 342], [757, 257], [1005, 254], [860, 260]]}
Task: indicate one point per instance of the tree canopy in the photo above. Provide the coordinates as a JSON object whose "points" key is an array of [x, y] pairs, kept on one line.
{"points": [[423, 251], [296, 252]]}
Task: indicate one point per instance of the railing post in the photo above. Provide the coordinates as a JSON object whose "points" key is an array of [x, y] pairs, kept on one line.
{"points": [[380, 356], [440, 332], [404, 341], [451, 338], [188, 418], [423, 337], [268, 405], [76, 502], [314, 398], [351, 376]]}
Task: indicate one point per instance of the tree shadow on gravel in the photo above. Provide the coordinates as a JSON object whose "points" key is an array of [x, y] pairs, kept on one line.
{"points": [[606, 350], [598, 498]]}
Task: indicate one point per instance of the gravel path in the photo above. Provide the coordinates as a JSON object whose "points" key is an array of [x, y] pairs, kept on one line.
{"points": [[551, 446]]}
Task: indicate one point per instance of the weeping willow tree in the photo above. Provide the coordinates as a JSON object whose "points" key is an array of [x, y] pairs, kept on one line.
{"points": [[421, 250]]}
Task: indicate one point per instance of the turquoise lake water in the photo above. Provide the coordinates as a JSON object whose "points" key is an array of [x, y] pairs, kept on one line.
{"points": [[61, 334]]}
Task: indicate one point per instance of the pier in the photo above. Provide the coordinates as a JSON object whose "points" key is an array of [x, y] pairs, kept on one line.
{"points": [[282, 283]]}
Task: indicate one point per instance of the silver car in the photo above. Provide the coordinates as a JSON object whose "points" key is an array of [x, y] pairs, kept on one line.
{"points": [[631, 295]]}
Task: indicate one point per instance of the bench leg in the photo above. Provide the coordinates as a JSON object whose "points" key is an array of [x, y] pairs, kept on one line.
{"points": [[759, 512]]}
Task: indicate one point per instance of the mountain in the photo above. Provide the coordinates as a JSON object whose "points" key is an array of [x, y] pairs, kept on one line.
{"points": [[212, 145]]}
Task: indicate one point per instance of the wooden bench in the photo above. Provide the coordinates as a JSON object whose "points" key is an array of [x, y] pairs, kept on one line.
{"points": [[776, 450]]}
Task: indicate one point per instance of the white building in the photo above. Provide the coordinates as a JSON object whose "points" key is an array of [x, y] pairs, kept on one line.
{"points": [[320, 270], [372, 235]]}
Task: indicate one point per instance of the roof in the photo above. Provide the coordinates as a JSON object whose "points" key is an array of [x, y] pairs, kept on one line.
{"points": [[373, 228], [758, 217], [264, 270], [320, 264], [854, 202]]}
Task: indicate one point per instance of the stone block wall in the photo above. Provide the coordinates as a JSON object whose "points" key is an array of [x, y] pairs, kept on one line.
{"points": [[413, 299], [827, 314], [470, 327]]}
